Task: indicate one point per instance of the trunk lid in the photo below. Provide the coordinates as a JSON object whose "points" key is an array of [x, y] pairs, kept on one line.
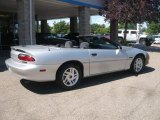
{"points": [[29, 50]]}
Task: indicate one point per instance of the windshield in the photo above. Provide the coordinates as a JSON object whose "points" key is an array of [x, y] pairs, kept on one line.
{"points": [[99, 42]]}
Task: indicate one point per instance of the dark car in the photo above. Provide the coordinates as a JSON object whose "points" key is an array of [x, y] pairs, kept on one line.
{"points": [[149, 40]]}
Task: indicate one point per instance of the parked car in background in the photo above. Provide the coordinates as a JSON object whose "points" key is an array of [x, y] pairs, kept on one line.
{"points": [[49, 39], [73, 38], [107, 36], [134, 36], [149, 40], [156, 39]]}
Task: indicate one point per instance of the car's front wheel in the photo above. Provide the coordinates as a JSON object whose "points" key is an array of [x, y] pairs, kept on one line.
{"points": [[69, 76], [137, 64], [143, 42]]}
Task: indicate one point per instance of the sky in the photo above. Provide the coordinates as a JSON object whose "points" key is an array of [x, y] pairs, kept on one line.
{"points": [[94, 19]]}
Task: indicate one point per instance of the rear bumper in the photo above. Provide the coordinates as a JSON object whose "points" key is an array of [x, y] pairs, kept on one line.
{"points": [[31, 71]]}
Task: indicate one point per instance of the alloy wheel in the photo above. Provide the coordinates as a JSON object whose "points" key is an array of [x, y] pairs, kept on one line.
{"points": [[70, 77], [138, 65]]}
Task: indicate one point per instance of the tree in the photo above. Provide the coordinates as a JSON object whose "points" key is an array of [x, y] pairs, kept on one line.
{"points": [[144, 29], [153, 28], [132, 11], [132, 26], [99, 29], [49, 28], [61, 27]]}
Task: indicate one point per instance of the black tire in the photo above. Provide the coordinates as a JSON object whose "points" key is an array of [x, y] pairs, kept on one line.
{"points": [[143, 42], [133, 68], [60, 76], [148, 44]]}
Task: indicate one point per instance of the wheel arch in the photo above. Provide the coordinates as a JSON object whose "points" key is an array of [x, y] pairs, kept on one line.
{"points": [[139, 54], [142, 38], [132, 64], [75, 62]]}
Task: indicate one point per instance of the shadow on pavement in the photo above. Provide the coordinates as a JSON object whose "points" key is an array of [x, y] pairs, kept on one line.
{"points": [[2, 64], [3, 68], [4, 54], [51, 87]]}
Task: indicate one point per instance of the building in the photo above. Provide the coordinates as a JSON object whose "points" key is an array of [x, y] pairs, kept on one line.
{"points": [[23, 16]]}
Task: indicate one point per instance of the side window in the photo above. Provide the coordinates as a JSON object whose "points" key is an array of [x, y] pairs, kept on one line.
{"points": [[133, 32], [126, 32], [119, 32], [102, 43], [156, 36], [108, 45]]}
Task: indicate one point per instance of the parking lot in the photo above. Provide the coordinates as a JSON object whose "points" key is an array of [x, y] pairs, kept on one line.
{"points": [[116, 96]]}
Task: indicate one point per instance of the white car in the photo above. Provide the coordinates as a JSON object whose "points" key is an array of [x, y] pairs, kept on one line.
{"points": [[134, 36], [69, 64]]}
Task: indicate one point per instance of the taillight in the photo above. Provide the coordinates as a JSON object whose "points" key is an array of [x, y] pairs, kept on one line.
{"points": [[26, 58]]}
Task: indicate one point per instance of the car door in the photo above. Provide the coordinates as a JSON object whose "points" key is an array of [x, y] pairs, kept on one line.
{"points": [[107, 58]]}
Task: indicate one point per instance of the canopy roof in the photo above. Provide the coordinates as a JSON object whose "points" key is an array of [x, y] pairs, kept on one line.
{"points": [[52, 9]]}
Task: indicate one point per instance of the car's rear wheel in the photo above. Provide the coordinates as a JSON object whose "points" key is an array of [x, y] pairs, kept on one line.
{"points": [[69, 76], [137, 64]]}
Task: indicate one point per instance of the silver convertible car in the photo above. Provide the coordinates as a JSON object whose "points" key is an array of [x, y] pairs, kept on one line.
{"points": [[68, 64]]}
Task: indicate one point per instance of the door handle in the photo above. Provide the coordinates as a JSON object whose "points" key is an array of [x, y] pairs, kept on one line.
{"points": [[94, 54]]}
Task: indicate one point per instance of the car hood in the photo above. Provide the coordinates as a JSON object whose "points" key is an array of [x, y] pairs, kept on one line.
{"points": [[131, 51], [127, 48]]}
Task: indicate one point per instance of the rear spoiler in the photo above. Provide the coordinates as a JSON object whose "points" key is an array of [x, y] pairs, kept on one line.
{"points": [[18, 50]]}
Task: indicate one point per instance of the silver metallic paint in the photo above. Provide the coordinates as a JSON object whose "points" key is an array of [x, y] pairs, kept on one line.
{"points": [[51, 58]]}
